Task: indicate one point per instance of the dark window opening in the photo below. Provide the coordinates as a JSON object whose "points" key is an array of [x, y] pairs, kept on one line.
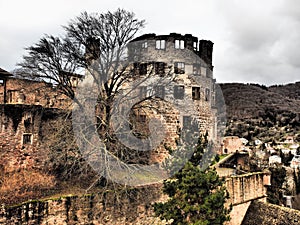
{"points": [[186, 121], [208, 73], [207, 94], [141, 118], [179, 44], [28, 125], [159, 68], [196, 93], [179, 92], [143, 68], [160, 91], [179, 67], [27, 138], [196, 69], [225, 150], [140, 68], [160, 44], [143, 92]]}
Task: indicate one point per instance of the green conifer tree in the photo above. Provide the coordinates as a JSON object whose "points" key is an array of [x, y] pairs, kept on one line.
{"points": [[197, 196]]}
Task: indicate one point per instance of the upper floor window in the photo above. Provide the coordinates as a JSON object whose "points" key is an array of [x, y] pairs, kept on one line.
{"points": [[207, 94], [159, 68], [195, 46], [179, 44], [140, 68], [160, 44], [196, 93], [145, 44], [186, 121], [179, 92], [196, 69], [143, 92], [159, 91], [141, 118], [27, 139], [179, 67]]}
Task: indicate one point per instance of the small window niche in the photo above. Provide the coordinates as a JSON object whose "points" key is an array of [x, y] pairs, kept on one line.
{"points": [[186, 121], [160, 91], [141, 118], [179, 68], [179, 92], [27, 139], [196, 93], [207, 94], [28, 125], [197, 69], [159, 68]]}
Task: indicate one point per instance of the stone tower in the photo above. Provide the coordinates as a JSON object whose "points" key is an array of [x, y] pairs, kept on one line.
{"points": [[187, 63]]}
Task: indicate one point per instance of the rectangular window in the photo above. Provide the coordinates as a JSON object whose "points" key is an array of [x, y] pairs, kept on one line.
{"points": [[141, 118], [159, 68], [179, 67], [28, 125], [179, 44], [27, 139], [143, 92], [160, 44], [143, 69], [160, 91], [145, 44], [207, 94], [186, 121], [196, 69], [195, 46], [1, 82], [196, 93], [179, 92]]}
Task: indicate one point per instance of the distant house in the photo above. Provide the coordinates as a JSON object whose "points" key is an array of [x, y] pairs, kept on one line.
{"points": [[274, 159], [232, 144], [295, 163]]}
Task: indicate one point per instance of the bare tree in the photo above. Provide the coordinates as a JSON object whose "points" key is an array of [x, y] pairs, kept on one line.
{"points": [[102, 37]]}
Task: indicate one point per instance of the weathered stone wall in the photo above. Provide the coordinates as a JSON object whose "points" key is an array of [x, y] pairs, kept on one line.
{"points": [[17, 123], [247, 187], [22, 91], [20, 129], [103, 208], [133, 206], [266, 214]]}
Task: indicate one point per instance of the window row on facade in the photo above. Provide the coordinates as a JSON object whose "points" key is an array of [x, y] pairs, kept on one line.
{"points": [[178, 92], [160, 68], [161, 44]]}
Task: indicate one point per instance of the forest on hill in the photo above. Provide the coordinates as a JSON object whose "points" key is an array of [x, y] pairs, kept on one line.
{"points": [[258, 112]]}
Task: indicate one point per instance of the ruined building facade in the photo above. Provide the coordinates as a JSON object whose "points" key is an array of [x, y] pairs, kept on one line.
{"points": [[186, 63], [24, 105], [182, 60]]}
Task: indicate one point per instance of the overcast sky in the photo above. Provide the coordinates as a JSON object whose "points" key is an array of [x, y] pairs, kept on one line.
{"points": [[255, 41]]}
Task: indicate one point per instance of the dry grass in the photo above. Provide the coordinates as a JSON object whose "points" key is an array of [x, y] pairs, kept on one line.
{"points": [[24, 185]]}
